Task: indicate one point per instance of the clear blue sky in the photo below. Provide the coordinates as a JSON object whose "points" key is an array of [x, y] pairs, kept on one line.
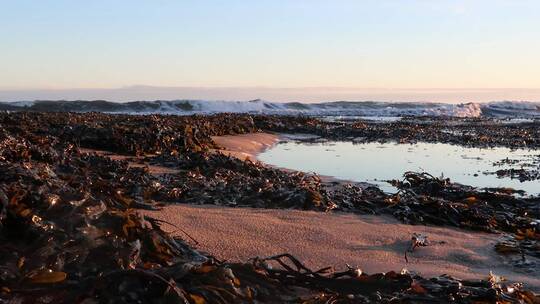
{"points": [[362, 44]]}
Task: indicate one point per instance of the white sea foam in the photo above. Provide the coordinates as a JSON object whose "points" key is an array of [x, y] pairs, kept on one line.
{"points": [[25, 103], [503, 109]]}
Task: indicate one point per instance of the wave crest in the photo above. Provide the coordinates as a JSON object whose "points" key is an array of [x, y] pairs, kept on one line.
{"points": [[342, 108]]}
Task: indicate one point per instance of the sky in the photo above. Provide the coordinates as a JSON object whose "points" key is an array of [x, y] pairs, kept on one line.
{"points": [[420, 47]]}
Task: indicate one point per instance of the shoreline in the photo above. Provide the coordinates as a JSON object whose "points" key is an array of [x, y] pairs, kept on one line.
{"points": [[246, 146], [374, 242], [97, 196], [250, 146]]}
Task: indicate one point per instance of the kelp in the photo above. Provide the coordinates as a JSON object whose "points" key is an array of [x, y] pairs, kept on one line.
{"points": [[527, 169], [417, 240], [70, 231], [221, 180], [66, 238], [128, 134], [473, 132]]}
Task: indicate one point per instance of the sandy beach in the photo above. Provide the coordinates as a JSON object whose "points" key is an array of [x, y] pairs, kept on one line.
{"points": [[53, 191], [244, 146], [374, 243], [270, 152]]}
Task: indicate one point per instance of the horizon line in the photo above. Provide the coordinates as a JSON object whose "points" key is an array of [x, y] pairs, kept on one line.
{"points": [[7, 88], [274, 94]]}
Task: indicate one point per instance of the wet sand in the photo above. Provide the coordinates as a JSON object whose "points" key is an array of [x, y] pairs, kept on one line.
{"points": [[373, 243], [246, 145]]}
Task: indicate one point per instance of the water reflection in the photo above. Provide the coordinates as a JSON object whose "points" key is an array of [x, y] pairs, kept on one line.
{"points": [[376, 162]]}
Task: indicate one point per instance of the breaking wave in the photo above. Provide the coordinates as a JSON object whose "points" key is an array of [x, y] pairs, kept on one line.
{"points": [[342, 108]]}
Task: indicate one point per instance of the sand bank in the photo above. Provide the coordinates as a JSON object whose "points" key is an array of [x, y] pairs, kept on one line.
{"points": [[374, 243], [246, 145]]}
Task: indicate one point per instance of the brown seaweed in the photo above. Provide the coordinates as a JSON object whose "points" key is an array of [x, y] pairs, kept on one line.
{"points": [[70, 231]]}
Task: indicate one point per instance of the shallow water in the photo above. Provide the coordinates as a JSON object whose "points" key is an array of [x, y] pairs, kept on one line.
{"points": [[334, 118], [376, 162]]}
